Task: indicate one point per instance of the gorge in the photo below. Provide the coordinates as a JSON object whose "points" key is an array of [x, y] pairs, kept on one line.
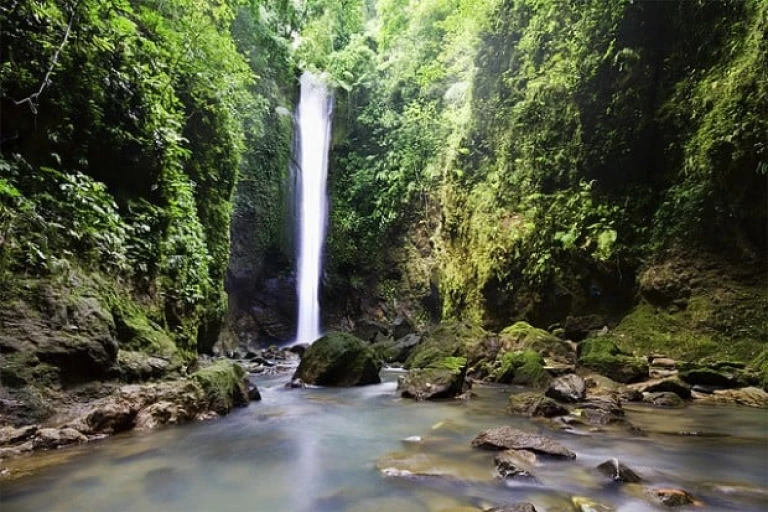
{"points": [[538, 230]]}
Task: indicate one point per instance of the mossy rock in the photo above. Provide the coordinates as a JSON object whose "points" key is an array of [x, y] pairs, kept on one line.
{"points": [[339, 359], [444, 378], [450, 339], [599, 346], [624, 369], [224, 385], [23, 369], [718, 375], [523, 335], [136, 332], [523, 368]]}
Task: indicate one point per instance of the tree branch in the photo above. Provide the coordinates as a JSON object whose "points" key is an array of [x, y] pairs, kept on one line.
{"points": [[32, 98]]}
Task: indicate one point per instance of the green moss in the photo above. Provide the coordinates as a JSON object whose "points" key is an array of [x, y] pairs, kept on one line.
{"points": [[24, 369], [136, 332], [450, 363], [524, 368], [620, 368], [599, 346], [522, 335], [339, 359], [450, 339], [224, 384]]}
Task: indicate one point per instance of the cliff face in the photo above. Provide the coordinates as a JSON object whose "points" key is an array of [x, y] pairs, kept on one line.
{"points": [[533, 158]]}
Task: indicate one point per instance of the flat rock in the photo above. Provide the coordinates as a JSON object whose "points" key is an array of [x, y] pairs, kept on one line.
{"points": [[515, 464], [583, 504], [750, 397], [671, 384], [516, 507], [49, 438], [663, 399], [509, 438], [11, 435], [568, 388]]}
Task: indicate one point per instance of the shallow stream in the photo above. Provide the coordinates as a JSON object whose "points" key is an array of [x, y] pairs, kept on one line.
{"points": [[318, 449]]}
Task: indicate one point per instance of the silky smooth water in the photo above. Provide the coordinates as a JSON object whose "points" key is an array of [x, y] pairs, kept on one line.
{"points": [[314, 132], [317, 450]]}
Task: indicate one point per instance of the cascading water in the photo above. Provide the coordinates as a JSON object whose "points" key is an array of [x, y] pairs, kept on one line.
{"points": [[313, 133]]}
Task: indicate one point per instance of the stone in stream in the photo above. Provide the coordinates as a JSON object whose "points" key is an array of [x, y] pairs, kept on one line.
{"points": [[48, 438], [253, 392], [583, 504], [443, 379], [672, 498], [339, 359], [751, 397], [516, 507], [509, 438], [664, 399], [667, 384], [295, 384], [618, 472], [568, 388], [535, 405], [515, 464]]}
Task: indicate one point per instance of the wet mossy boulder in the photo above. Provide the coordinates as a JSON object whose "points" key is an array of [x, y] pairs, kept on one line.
{"points": [[601, 355], [521, 367], [522, 335], [723, 375], [450, 339], [224, 383], [442, 379], [339, 359]]}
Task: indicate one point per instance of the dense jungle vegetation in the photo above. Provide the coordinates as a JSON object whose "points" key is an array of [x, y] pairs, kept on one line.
{"points": [[493, 160]]}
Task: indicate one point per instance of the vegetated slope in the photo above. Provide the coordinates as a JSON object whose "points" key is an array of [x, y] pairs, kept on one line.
{"points": [[531, 158]]}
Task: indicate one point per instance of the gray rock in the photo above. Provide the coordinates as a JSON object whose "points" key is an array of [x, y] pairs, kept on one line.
{"points": [[516, 507], [618, 472], [515, 464], [663, 399], [668, 384], [444, 379], [49, 438], [568, 388], [509, 438]]}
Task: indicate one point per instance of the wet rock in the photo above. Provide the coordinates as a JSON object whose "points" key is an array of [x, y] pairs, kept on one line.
{"points": [[509, 438], [663, 362], [11, 435], [443, 379], [601, 355], [521, 367], [396, 351], [49, 438], [339, 359], [141, 367], [535, 405], [672, 498], [224, 384], [601, 411], [515, 464], [569, 389], [723, 376], [618, 472], [299, 348], [516, 507], [296, 384], [523, 336], [663, 399], [544, 407], [750, 397], [160, 413], [582, 504], [253, 392], [669, 384]]}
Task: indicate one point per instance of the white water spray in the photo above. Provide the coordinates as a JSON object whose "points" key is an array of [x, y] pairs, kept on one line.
{"points": [[314, 132]]}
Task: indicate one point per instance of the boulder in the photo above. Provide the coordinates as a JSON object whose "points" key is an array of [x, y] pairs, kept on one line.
{"points": [[522, 367], [618, 472], [663, 399], [253, 392], [604, 357], [522, 336], [601, 411], [140, 367], [12, 435], [667, 384], [515, 507], [509, 438], [722, 376], [672, 498], [339, 359], [449, 339], [515, 464], [367, 330], [224, 384], [582, 504], [296, 384], [749, 396], [49, 438], [443, 379], [396, 351], [568, 388], [535, 405]]}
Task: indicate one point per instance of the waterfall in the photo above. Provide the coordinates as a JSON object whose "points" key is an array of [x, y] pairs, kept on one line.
{"points": [[313, 133]]}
